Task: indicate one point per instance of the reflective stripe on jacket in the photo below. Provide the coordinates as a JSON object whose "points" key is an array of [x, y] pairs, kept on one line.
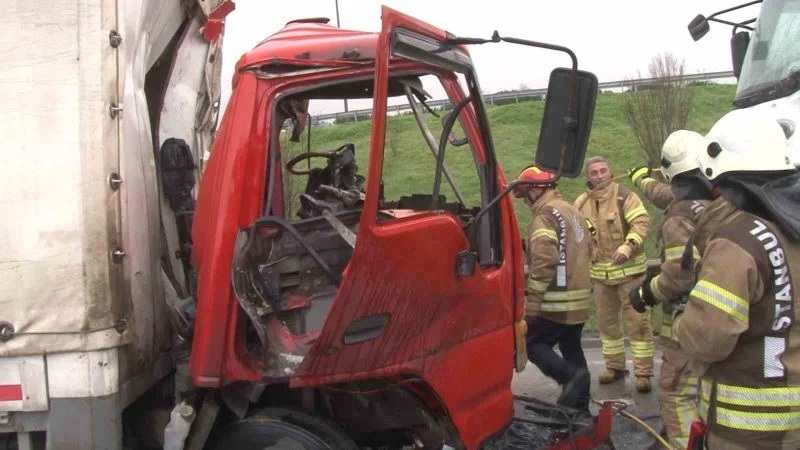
{"points": [[622, 223], [680, 219], [558, 285], [740, 323]]}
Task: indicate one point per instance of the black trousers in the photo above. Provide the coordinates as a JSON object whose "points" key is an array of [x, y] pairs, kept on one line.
{"points": [[543, 335]]}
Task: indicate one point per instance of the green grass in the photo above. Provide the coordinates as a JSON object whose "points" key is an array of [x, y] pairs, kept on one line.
{"points": [[408, 166]]}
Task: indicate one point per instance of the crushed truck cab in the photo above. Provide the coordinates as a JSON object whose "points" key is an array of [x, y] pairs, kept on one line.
{"points": [[359, 298], [363, 294]]}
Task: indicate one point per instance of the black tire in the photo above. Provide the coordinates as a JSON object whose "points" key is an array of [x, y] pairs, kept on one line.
{"points": [[282, 428]]}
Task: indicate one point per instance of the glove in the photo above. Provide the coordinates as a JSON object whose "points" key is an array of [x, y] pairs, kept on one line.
{"points": [[641, 297], [638, 172]]}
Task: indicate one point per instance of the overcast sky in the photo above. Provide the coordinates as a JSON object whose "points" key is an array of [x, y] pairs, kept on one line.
{"points": [[615, 39]]}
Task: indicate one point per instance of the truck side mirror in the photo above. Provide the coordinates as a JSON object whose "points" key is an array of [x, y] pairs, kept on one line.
{"points": [[739, 43], [698, 27], [563, 125]]}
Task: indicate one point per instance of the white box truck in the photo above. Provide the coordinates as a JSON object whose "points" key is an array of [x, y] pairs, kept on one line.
{"points": [[87, 87]]}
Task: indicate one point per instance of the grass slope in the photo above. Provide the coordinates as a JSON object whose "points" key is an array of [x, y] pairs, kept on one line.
{"points": [[515, 131]]}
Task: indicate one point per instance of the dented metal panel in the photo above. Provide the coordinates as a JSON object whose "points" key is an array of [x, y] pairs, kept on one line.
{"points": [[312, 43]]}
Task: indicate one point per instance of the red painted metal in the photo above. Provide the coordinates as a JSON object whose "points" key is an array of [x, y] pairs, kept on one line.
{"points": [[697, 436], [10, 392], [310, 44], [216, 20], [591, 437], [455, 334]]}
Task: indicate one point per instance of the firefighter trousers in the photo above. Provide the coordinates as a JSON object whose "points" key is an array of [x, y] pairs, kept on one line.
{"points": [[677, 395], [610, 300]]}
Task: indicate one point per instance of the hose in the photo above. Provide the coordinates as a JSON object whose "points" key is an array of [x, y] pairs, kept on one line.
{"points": [[621, 410]]}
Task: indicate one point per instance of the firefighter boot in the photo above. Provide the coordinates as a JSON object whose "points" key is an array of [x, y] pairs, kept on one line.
{"points": [[643, 384], [611, 375]]}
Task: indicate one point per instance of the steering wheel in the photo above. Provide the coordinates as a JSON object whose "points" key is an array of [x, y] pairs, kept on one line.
{"points": [[308, 155]]}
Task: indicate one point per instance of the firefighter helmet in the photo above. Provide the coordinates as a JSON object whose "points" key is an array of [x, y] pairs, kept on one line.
{"points": [[679, 152], [745, 140], [537, 178]]}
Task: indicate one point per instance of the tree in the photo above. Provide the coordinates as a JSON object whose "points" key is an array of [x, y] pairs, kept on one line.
{"points": [[657, 108]]}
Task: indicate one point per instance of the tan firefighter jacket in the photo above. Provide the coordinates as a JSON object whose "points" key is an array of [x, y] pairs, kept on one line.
{"points": [[657, 193], [680, 219], [740, 323], [558, 285], [622, 223]]}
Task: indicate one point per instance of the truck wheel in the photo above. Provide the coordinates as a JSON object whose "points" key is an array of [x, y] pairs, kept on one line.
{"points": [[280, 428]]}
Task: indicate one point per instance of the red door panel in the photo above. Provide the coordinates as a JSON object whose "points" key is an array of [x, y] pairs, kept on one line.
{"points": [[454, 333]]}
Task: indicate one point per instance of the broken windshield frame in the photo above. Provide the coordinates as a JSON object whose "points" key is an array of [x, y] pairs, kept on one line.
{"points": [[417, 47], [419, 116]]}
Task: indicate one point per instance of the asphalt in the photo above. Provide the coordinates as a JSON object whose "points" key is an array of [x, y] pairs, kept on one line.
{"points": [[625, 434]]}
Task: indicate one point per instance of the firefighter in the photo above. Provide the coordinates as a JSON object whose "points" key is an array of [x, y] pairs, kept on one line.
{"points": [[557, 292], [618, 265], [684, 199], [738, 325]]}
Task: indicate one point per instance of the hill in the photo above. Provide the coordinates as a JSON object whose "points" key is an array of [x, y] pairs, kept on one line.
{"points": [[515, 131], [408, 164]]}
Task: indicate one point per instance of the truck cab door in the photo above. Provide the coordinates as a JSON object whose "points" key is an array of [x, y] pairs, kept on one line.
{"points": [[401, 309]]}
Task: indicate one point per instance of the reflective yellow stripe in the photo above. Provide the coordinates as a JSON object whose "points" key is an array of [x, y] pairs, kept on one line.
{"points": [[705, 398], [608, 271], [677, 253], [656, 291], [766, 397], [634, 213], [577, 294], [574, 305], [722, 299], [613, 346], [536, 285], [638, 259], [644, 182], [544, 232], [642, 349], [685, 409], [758, 421], [634, 237], [778, 397], [591, 227]]}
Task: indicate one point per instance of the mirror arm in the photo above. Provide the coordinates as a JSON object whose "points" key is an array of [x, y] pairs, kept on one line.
{"points": [[733, 24], [490, 205], [571, 122], [511, 40], [733, 8], [743, 25]]}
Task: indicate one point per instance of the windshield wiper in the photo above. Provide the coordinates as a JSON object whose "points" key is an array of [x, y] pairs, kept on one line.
{"points": [[770, 91]]}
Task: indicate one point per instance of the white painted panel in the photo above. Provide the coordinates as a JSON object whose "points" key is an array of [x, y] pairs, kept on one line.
{"points": [[29, 372], [83, 374], [59, 74]]}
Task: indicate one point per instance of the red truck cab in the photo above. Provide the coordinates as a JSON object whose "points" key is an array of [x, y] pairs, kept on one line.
{"points": [[396, 317]]}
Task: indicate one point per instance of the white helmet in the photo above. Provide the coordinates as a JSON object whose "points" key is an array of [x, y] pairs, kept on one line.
{"points": [[679, 152], [747, 141]]}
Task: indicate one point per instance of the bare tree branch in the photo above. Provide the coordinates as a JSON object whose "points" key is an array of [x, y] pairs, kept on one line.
{"points": [[657, 109]]}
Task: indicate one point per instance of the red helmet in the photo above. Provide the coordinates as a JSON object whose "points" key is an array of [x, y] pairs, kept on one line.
{"points": [[540, 178]]}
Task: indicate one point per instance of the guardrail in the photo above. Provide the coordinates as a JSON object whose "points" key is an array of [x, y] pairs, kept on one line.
{"points": [[365, 114]]}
